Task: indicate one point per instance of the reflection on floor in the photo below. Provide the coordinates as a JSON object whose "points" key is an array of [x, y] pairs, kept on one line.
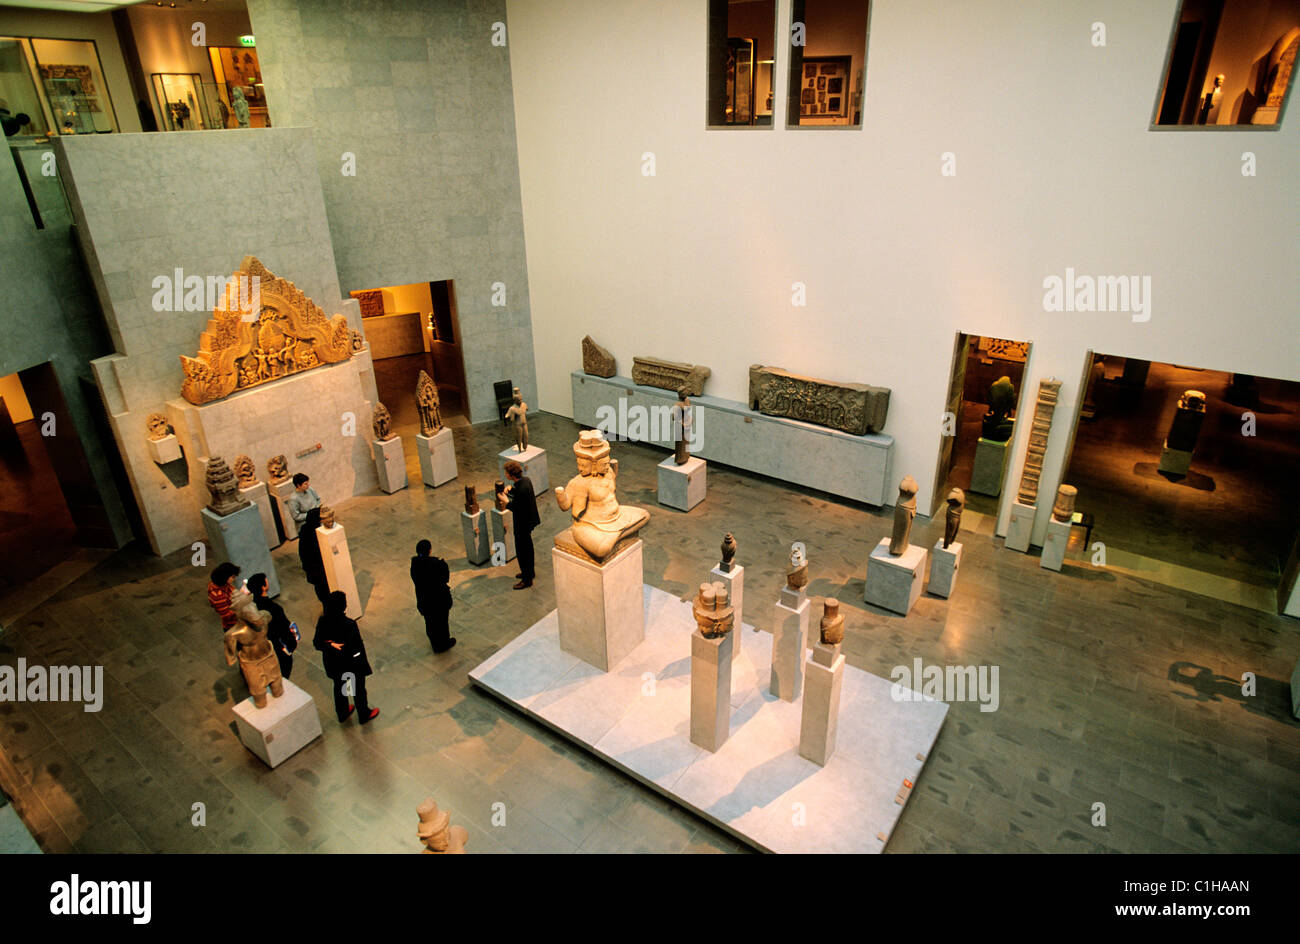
{"points": [[1112, 690]]}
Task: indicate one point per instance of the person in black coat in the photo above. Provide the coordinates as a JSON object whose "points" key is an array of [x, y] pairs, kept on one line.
{"points": [[279, 631], [432, 596], [313, 565], [523, 505], [344, 655]]}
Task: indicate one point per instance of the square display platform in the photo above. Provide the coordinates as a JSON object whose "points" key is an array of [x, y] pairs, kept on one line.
{"points": [[390, 464], [748, 787], [1021, 527], [682, 486], [1054, 544], [533, 459], [600, 617], [284, 727], [894, 583], [437, 457], [240, 538], [990, 464], [944, 564]]}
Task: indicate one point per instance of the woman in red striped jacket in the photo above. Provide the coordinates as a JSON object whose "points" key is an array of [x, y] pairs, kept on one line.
{"points": [[220, 591]]}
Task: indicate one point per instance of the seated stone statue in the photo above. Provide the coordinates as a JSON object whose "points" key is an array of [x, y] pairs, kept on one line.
{"points": [[246, 642], [599, 523], [1002, 400]]}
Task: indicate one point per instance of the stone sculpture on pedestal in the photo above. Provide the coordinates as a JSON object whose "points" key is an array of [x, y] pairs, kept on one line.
{"points": [[246, 643], [728, 552], [1048, 391], [904, 512], [668, 375], [832, 624], [437, 833], [502, 502], [158, 426], [326, 516], [596, 360], [1188, 417], [1002, 400], [1063, 508], [853, 408], [517, 416], [428, 405], [382, 423], [224, 487], [245, 471], [471, 501], [600, 524], [277, 469], [952, 520], [713, 612], [796, 576], [681, 427]]}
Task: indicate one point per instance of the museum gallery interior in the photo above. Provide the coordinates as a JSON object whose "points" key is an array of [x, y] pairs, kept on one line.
{"points": [[529, 426]]}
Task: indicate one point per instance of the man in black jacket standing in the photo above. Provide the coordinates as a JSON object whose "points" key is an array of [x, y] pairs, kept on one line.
{"points": [[432, 596], [344, 654], [523, 507], [278, 630]]}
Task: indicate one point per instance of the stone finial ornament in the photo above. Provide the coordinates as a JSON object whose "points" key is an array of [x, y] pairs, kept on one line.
{"points": [[224, 488], [851, 407], [904, 512], [714, 614], [326, 516], [600, 524], [428, 405], [1063, 507], [952, 518], [596, 360], [382, 423], [681, 413], [437, 833], [246, 643], [796, 575], [832, 624], [245, 471], [471, 501], [517, 416], [158, 426], [728, 552], [502, 502], [277, 469]]}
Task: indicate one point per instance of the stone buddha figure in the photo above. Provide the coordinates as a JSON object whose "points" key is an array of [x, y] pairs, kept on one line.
{"points": [[599, 522], [246, 643]]}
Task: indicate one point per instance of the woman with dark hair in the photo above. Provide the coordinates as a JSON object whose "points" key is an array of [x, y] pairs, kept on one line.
{"points": [[344, 655], [220, 590], [432, 596], [309, 554], [281, 633]]}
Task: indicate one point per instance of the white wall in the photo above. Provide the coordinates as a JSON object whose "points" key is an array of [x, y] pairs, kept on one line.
{"points": [[1055, 164]]}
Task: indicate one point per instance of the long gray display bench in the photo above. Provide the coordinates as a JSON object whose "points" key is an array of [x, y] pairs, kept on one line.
{"points": [[854, 467]]}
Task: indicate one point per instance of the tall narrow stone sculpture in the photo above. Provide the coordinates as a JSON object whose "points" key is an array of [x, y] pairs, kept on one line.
{"points": [[728, 552], [952, 519], [427, 404], [247, 644], [823, 679], [1176, 456], [437, 833], [517, 416], [681, 413], [1048, 392], [790, 619], [224, 488], [904, 512], [600, 524], [832, 623], [711, 656], [596, 360], [471, 501]]}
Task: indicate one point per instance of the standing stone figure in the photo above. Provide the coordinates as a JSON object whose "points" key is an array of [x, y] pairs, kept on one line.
{"points": [[239, 105], [904, 512], [832, 624], [224, 487], [681, 427], [471, 502], [427, 405], [518, 416], [246, 643], [728, 552], [382, 423], [952, 521]]}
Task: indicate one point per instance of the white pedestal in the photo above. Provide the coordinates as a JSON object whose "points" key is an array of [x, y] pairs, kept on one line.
{"points": [[167, 449], [241, 539], [533, 459], [338, 566], [437, 457], [261, 499], [601, 617], [390, 464], [894, 583], [279, 495], [478, 536], [990, 464], [1054, 545], [789, 640], [734, 581], [682, 486], [503, 530], [944, 563], [1021, 528], [285, 726], [711, 689], [1174, 461], [821, 703]]}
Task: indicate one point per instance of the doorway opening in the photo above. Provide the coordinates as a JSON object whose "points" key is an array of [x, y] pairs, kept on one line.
{"points": [[985, 393]]}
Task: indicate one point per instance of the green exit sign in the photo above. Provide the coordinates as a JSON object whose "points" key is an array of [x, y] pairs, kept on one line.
{"points": [[247, 41]]}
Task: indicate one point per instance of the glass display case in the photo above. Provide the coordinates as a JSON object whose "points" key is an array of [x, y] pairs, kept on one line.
{"points": [[21, 111], [179, 101], [73, 82]]}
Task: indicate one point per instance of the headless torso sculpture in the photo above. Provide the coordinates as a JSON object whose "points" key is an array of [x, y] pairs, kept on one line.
{"points": [[599, 522], [246, 643]]}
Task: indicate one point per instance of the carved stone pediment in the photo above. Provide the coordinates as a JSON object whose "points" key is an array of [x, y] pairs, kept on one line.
{"points": [[852, 407]]}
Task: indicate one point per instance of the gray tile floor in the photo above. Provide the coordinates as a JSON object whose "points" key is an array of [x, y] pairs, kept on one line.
{"points": [[1113, 690]]}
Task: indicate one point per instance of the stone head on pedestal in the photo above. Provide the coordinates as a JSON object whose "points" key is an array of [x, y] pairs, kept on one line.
{"points": [[796, 575], [728, 552], [952, 521], [471, 501], [437, 833], [599, 522], [832, 624], [904, 512], [158, 426], [714, 614], [326, 516], [224, 488]]}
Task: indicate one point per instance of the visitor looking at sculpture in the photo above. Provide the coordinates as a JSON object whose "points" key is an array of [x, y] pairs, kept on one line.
{"points": [[432, 596], [279, 630], [303, 499], [220, 589], [343, 654], [313, 565], [522, 502]]}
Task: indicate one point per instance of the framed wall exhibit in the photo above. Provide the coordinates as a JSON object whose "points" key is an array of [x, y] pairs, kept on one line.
{"points": [[824, 90], [72, 96], [740, 82]]}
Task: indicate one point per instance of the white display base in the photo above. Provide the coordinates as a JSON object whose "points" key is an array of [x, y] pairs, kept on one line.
{"points": [[600, 616], [1021, 528], [824, 679], [502, 527], [711, 689], [284, 727], [240, 539], [682, 486], [894, 583], [478, 536], [734, 581], [990, 467], [944, 564], [279, 495], [165, 450], [261, 499], [1054, 545], [437, 457], [1174, 461], [749, 786], [789, 641], [338, 566], [533, 459], [390, 464]]}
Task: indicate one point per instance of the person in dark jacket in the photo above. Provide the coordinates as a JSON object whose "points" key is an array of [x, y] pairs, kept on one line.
{"points": [[432, 596], [523, 505], [344, 655], [279, 630], [313, 565]]}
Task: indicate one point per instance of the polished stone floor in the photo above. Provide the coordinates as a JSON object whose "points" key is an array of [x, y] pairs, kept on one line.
{"points": [[1112, 690]]}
